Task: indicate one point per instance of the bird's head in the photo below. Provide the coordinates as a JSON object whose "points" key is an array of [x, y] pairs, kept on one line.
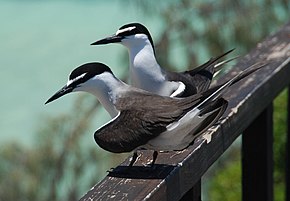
{"points": [[128, 35], [84, 78]]}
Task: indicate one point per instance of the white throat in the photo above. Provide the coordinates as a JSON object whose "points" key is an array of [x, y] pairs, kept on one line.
{"points": [[106, 87], [145, 72]]}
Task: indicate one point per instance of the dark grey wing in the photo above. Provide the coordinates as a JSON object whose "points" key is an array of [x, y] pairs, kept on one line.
{"points": [[140, 120], [198, 79], [127, 132], [209, 65], [203, 74]]}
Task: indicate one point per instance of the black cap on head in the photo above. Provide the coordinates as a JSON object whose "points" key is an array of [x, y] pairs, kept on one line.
{"points": [[126, 30], [91, 69], [137, 28], [80, 75]]}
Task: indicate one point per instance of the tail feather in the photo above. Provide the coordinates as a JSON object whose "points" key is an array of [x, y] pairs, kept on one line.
{"points": [[213, 106], [248, 71], [221, 64], [216, 92], [213, 112], [209, 63], [199, 79]]}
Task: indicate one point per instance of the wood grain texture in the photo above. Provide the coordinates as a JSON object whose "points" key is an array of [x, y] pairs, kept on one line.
{"points": [[287, 169], [176, 173]]}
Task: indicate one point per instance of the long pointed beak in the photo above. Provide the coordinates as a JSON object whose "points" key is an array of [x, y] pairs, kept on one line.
{"points": [[65, 90], [111, 39]]}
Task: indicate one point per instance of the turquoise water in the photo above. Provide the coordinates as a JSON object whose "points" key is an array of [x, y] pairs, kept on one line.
{"points": [[41, 42]]}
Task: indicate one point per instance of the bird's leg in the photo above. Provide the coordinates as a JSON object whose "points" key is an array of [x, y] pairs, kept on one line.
{"points": [[155, 154], [134, 158]]}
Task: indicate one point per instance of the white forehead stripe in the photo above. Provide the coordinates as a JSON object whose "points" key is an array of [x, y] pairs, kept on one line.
{"points": [[124, 30], [77, 78]]}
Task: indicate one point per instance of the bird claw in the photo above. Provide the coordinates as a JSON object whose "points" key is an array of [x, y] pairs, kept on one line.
{"points": [[110, 170]]}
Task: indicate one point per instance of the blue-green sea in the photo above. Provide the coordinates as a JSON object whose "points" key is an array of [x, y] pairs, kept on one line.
{"points": [[40, 43]]}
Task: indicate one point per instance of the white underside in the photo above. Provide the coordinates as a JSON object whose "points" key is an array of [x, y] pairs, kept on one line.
{"points": [[161, 87], [179, 134], [107, 91], [179, 90], [145, 72]]}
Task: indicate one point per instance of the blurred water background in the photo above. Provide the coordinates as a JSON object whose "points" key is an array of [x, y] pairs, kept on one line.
{"points": [[47, 152], [41, 42]]}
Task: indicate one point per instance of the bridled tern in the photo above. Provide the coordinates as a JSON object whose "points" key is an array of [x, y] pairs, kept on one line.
{"points": [[145, 120], [146, 73]]}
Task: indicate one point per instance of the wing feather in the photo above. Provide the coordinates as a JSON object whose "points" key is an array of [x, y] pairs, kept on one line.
{"points": [[140, 121], [143, 116], [198, 79]]}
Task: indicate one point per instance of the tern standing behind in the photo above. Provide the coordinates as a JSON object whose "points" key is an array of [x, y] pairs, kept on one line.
{"points": [[146, 73]]}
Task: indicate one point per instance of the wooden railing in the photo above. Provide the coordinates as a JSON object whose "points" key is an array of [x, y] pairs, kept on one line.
{"points": [[177, 176]]}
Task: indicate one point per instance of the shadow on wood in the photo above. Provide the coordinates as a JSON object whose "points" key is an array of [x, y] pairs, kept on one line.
{"points": [[157, 171]]}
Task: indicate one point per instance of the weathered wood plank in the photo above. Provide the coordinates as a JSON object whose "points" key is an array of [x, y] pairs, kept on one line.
{"points": [[287, 169], [257, 158], [182, 170]]}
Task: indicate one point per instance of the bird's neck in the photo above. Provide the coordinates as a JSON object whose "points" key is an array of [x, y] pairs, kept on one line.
{"points": [[145, 72], [107, 93]]}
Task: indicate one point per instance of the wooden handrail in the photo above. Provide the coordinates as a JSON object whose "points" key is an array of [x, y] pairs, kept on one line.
{"points": [[177, 176]]}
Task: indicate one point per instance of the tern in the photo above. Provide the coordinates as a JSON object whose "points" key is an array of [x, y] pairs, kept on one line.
{"points": [[146, 73], [141, 119]]}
